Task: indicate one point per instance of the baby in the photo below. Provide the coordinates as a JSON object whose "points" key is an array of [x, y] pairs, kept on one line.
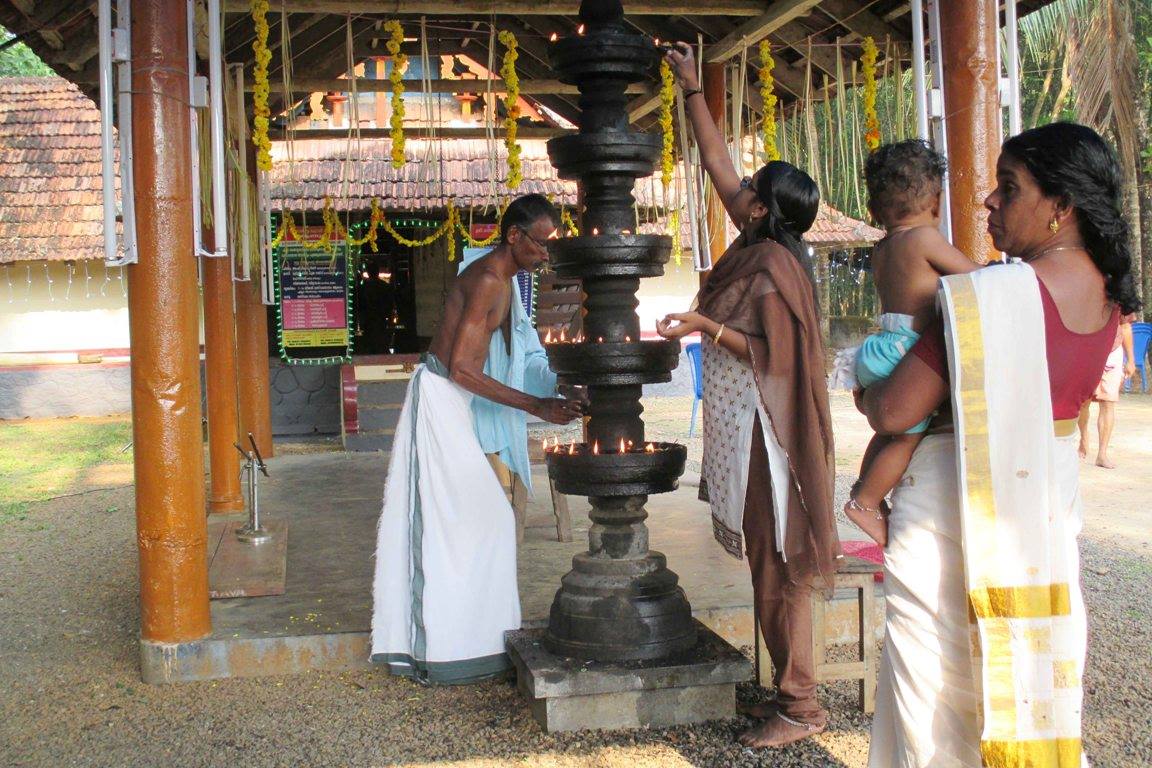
{"points": [[904, 181]]}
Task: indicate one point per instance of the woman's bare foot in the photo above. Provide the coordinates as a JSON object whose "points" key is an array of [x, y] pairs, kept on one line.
{"points": [[761, 711], [1105, 462], [868, 519], [778, 731]]}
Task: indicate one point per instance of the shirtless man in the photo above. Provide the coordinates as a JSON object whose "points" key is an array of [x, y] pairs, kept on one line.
{"points": [[479, 304], [904, 181], [445, 587]]}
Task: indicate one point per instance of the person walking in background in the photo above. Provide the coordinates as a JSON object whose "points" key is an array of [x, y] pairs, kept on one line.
{"points": [[767, 468], [1121, 365]]}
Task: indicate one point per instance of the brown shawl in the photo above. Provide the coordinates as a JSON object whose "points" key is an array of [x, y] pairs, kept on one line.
{"points": [[788, 366]]}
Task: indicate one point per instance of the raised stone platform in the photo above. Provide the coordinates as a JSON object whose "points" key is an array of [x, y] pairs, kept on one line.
{"points": [[570, 695]]}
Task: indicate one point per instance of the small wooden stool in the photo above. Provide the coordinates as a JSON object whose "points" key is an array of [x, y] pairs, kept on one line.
{"points": [[851, 572]]}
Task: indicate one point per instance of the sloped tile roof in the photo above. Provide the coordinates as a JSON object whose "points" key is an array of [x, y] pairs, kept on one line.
{"points": [[50, 186], [353, 174]]}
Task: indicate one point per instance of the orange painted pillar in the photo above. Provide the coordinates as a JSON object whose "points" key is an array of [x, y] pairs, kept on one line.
{"points": [[715, 93], [252, 364], [968, 38], [164, 324], [224, 494]]}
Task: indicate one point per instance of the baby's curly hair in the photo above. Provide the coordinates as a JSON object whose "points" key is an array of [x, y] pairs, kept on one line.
{"points": [[903, 178]]}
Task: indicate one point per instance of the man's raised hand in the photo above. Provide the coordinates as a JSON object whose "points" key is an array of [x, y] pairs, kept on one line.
{"points": [[557, 410]]}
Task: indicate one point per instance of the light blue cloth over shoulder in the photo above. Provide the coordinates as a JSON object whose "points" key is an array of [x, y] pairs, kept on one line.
{"points": [[883, 350], [501, 429]]}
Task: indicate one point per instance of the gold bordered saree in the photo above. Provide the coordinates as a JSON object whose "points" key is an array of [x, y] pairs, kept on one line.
{"points": [[985, 632]]}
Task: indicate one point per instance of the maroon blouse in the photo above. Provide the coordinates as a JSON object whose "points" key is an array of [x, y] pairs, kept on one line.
{"points": [[1075, 360]]}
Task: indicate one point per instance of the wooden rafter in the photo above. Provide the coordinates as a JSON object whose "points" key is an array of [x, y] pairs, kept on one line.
{"points": [[779, 14], [503, 7], [369, 85], [857, 18]]}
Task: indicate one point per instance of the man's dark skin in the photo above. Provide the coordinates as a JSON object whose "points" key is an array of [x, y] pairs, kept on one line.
{"points": [[479, 304]]}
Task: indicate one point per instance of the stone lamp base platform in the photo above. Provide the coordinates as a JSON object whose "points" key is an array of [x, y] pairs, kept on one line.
{"points": [[571, 695]]}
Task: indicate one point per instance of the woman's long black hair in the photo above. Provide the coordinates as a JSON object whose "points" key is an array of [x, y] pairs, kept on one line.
{"points": [[1074, 164], [793, 200]]}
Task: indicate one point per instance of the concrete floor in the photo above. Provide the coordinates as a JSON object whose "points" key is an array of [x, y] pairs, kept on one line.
{"points": [[331, 502]]}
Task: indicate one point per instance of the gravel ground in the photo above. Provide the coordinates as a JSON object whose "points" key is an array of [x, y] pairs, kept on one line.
{"points": [[72, 695]]}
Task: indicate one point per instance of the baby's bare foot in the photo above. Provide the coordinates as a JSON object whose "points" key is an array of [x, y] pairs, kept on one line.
{"points": [[868, 519]]}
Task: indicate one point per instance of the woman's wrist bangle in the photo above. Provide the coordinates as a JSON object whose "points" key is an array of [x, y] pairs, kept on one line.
{"points": [[691, 92], [719, 333]]}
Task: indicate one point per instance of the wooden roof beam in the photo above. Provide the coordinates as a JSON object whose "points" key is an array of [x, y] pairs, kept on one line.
{"points": [[756, 29], [851, 15], [369, 85], [414, 132], [389, 8]]}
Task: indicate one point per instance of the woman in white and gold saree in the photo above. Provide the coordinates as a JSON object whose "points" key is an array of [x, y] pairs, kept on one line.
{"points": [[985, 628]]}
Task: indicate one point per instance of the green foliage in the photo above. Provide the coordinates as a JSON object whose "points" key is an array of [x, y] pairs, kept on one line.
{"points": [[19, 61]]}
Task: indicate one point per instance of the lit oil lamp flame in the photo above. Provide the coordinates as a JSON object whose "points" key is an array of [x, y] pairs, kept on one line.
{"points": [[595, 231], [629, 444], [599, 339], [544, 445], [623, 448], [555, 37], [572, 448], [548, 337], [580, 29], [596, 448], [657, 41], [650, 448], [563, 336], [625, 231], [627, 338]]}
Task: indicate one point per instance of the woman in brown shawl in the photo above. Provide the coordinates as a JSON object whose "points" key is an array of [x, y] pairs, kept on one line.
{"points": [[767, 468]]}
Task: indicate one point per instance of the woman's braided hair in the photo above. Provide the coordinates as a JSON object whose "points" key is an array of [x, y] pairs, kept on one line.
{"points": [[1072, 163]]}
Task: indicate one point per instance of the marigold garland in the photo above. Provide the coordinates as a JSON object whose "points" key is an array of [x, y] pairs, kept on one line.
{"points": [[667, 98], [767, 85], [871, 119], [511, 106], [568, 224], [674, 231], [396, 76], [260, 87]]}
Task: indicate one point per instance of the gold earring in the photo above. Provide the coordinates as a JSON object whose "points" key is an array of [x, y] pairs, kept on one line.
{"points": [[1054, 225]]}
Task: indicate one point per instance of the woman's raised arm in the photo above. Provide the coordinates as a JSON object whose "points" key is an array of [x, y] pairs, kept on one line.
{"points": [[713, 151]]}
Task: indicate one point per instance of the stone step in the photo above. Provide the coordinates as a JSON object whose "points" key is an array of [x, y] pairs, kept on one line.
{"points": [[369, 441], [371, 393], [375, 418]]}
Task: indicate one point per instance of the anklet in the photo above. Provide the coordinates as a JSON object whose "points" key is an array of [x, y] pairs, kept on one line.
{"points": [[861, 508]]}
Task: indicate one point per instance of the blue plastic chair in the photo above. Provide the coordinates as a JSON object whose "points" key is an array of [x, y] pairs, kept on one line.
{"points": [[693, 352], [1141, 334]]}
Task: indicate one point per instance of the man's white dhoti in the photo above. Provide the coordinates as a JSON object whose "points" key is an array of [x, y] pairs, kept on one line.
{"points": [[445, 586], [985, 630]]}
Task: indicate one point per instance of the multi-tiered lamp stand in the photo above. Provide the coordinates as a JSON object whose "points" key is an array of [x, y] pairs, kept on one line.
{"points": [[620, 604]]}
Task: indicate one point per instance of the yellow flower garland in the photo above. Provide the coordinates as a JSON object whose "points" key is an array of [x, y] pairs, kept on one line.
{"points": [[871, 119], [473, 242], [511, 106], [260, 88], [667, 98], [568, 224], [396, 76], [767, 83]]}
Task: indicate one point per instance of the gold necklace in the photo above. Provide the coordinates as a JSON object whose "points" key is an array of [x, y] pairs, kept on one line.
{"points": [[1053, 249]]}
